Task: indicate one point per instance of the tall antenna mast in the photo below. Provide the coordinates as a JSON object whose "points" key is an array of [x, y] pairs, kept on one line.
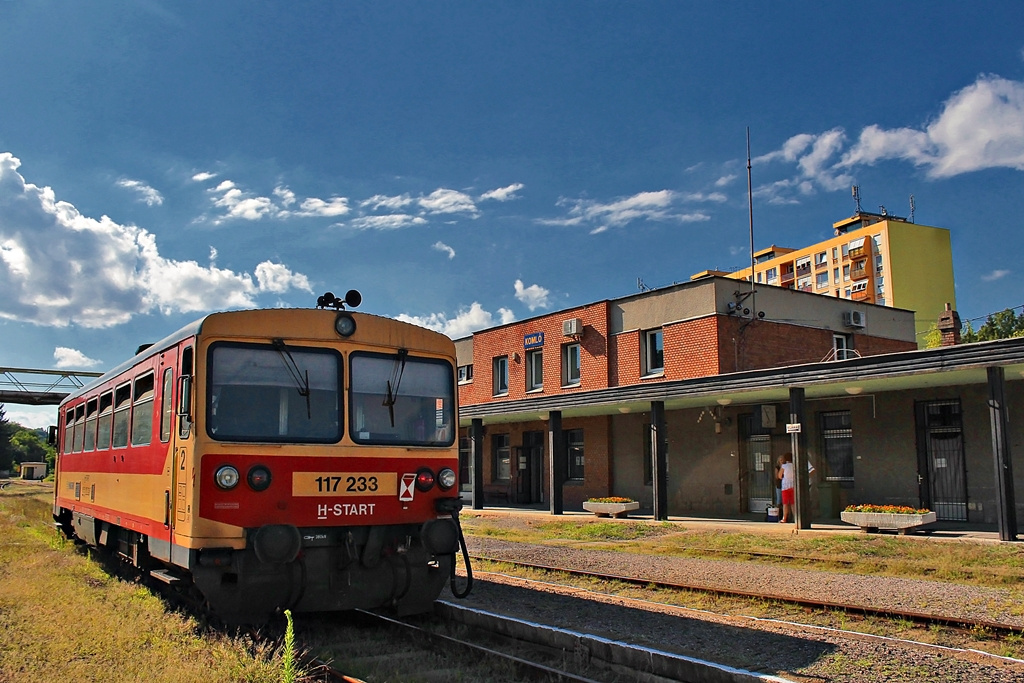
{"points": [[750, 207], [856, 196], [912, 207]]}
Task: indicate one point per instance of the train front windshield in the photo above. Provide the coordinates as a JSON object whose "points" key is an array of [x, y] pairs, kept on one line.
{"points": [[402, 400], [276, 393]]}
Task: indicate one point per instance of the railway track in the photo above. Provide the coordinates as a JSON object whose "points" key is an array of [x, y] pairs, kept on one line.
{"points": [[920, 618], [484, 646]]}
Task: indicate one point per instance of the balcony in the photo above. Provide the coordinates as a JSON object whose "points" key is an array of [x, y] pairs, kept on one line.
{"points": [[858, 272], [803, 269], [862, 295], [787, 278]]}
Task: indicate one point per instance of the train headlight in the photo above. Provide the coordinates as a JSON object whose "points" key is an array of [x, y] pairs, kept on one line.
{"points": [[345, 325], [424, 480], [258, 478], [226, 477], [446, 478]]}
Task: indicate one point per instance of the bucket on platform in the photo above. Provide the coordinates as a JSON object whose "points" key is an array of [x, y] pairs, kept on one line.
{"points": [[771, 514]]}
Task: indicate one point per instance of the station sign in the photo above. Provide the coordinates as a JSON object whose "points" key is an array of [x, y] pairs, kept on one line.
{"points": [[533, 340]]}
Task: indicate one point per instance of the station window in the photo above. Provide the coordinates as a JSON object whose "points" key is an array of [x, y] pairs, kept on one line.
{"points": [[570, 365], [142, 411], [843, 346], [465, 374], [574, 443], [90, 425], [654, 352], [502, 451], [534, 370], [122, 409], [500, 375], [104, 422]]}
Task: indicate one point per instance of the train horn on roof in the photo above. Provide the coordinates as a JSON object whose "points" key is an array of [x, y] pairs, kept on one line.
{"points": [[352, 299]]}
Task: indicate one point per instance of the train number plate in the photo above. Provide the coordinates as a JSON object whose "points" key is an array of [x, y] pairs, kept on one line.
{"points": [[335, 484]]}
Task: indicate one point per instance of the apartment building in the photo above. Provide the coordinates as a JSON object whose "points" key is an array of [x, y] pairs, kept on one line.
{"points": [[874, 258]]}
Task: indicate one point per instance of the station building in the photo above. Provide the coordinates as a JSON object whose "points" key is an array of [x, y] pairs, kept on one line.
{"points": [[683, 398]]}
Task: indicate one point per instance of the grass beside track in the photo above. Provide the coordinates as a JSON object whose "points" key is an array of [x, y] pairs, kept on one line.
{"points": [[63, 618], [963, 562]]}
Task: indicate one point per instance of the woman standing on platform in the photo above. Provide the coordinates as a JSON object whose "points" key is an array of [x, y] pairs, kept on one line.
{"points": [[787, 474]]}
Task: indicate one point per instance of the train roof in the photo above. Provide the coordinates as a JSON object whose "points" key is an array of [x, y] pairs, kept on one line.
{"points": [[220, 322]]}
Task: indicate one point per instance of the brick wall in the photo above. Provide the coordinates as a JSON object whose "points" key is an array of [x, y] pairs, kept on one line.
{"points": [[508, 341], [692, 348]]}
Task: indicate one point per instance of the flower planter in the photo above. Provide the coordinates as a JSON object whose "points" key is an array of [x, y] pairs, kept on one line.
{"points": [[873, 521], [611, 509]]}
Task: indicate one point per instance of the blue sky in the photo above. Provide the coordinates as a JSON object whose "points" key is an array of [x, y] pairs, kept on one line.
{"points": [[465, 164]]}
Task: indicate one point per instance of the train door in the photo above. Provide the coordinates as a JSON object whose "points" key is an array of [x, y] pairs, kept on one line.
{"points": [[182, 433], [942, 472], [530, 464]]}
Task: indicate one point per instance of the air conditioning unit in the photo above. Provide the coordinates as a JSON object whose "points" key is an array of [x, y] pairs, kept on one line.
{"points": [[573, 327], [853, 318]]}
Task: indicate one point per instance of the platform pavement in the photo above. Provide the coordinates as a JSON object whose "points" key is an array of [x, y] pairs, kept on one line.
{"points": [[939, 531]]}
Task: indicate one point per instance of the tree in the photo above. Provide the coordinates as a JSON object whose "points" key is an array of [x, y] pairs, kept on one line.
{"points": [[29, 447], [7, 430], [1002, 325]]}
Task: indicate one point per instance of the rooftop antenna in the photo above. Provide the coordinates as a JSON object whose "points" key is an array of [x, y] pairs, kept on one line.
{"points": [[750, 208], [642, 286], [912, 207], [856, 196]]}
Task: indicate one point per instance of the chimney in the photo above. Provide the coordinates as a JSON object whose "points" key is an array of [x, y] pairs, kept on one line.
{"points": [[949, 325]]}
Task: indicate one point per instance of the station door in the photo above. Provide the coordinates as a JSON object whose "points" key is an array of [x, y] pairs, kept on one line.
{"points": [[942, 470]]}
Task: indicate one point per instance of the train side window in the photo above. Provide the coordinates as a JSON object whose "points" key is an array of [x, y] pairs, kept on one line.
{"points": [[142, 411], [90, 425], [122, 409], [69, 430], [104, 422], [79, 428], [166, 405], [185, 395]]}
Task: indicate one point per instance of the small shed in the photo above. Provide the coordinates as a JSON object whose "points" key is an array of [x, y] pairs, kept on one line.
{"points": [[33, 470]]}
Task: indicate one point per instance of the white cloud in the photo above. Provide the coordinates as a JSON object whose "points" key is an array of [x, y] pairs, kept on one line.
{"points": [[656, 206], [286, 196], [241, 205], [380, 201], [202, 176], [277, 278], [717, 197], [58, 267], [467, 321], [72, 358], [533, 297], [995, 275], [979, 127], [337, 206], [442, 247], [390, 222], [447, 201], [146, 193], [31, 417], [503, 194]]}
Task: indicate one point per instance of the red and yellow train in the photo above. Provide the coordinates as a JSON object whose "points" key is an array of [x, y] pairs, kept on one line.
{"points": [[299, 459]]}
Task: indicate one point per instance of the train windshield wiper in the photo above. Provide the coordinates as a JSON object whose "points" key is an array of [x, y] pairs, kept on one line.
{"points": [[396, 379], [301, 380]]}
